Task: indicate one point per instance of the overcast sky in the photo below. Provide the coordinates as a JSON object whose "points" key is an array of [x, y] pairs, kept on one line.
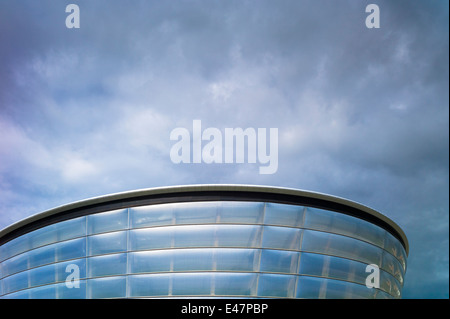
{"points": [[361, 113]]}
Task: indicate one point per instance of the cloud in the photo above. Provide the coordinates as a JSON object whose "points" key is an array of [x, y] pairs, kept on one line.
{"points": [[361, 113]]}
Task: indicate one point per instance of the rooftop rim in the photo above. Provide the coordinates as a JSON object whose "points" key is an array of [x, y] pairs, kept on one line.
{"points": [[191, 193]]}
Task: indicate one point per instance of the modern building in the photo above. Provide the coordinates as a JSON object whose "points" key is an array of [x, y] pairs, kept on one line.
{"points": [[205, 241]]}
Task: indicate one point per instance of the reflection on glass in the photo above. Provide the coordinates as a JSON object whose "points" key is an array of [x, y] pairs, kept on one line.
{"points": [[153, 215], [150, 261], [271, 285], [14, 264], [281, 237], [320, 288], [71, 228], [71, 249], [341, 246], [149, 285], [107, 265], [284, 215], [15, 246], [333, 267], [279, 261], [196, 213], [108, 287], [151, 238], [338, 223], [390, 285], [108, 221], [233, 259], [194, 236], [107, 243], [235, 284], [393, 266], [42, 256], [241, 212], [394, 247], [191, 284], [44, 236], [15, 282], [42, 275], [44, 292], [238, 236], [65, 292]]}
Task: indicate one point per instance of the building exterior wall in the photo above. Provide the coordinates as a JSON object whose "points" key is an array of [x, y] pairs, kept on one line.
{"points": [[208, 248]]}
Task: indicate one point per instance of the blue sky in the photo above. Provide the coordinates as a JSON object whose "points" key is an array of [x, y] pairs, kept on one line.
{"points": [[361, 113]]}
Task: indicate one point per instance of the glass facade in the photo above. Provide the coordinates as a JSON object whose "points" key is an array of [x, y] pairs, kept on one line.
{"points": [[242, 249]]}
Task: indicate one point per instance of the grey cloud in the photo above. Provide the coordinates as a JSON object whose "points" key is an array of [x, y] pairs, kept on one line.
{"points": [[362, 113]]}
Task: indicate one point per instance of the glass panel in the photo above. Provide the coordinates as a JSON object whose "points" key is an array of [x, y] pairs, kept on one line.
{"points": [[15, 282], [194, 236], [339, 223], [281, 237], [149, 285], [192, 259], [192, 284], [234, 284], [71, 270], [71, 249], [333, 267], [284, 215], [15, 264], [42, 256], [151, 238], [271, 285], [390, 285], [107, 243], [392, 266], [24, 294], [236, 259], [64, 292], [15, 246], [371, 233], [3, 252], [150, 261], [238, 236], [44, 236], [394, 247], [108, 221], [196, 213], [341, 246], [326, 220], [379, 294], [107, 265], [241, 212], [43, 275], [279, 261], [45, 292], [153, 215], [319, 288], [71, 228], [110, 287]]}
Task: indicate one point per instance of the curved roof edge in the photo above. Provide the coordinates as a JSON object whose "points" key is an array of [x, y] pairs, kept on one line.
{"points": [[197, 188]]}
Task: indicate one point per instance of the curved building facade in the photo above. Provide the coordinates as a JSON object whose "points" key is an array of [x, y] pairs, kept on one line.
{"points": [[205, 241]]}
